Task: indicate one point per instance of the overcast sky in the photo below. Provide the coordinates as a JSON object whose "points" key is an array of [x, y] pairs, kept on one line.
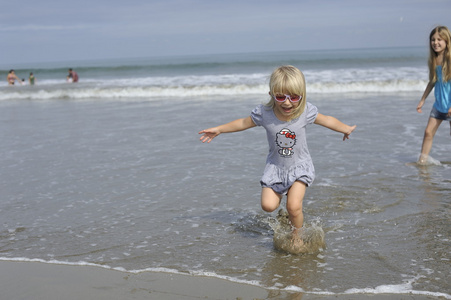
{"points": [[59, 30]]}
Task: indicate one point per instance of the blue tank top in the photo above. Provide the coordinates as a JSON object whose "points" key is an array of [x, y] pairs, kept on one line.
{"points": [[442, 92]]}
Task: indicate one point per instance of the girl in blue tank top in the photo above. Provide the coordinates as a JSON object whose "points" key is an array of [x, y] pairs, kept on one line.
{"points": [[439, 78]]}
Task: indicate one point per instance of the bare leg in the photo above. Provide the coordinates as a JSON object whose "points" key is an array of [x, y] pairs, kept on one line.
{"points": [[294, 204], [429, 134], [270, 200], [295, 199]]}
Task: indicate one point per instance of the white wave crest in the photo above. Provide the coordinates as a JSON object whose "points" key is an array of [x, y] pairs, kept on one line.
{"points": [[151, 92]]}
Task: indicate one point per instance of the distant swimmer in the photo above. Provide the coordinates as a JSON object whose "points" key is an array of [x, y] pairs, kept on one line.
{"points": [[72, 76], [12, 77], [31, 79]]}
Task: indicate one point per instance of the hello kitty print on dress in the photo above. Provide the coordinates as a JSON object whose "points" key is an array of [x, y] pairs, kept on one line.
{"points": [[285, 140]]}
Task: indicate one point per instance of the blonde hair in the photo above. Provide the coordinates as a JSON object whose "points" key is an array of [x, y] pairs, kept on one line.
{"points": [[445, 34], [288, 80]]}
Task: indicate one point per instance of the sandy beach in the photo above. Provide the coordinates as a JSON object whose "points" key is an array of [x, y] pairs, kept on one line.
{"points": [[42, 281]]}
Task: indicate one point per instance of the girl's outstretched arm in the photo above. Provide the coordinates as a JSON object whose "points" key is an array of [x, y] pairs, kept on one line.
{"points": [[234, 126], [334, 124]]}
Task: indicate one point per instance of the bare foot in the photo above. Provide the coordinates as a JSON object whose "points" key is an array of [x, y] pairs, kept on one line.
{"points": [[296, 240], [423, 160]]}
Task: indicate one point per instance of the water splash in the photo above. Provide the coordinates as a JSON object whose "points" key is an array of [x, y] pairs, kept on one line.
{"points": [[426, 160], [310, 239]]}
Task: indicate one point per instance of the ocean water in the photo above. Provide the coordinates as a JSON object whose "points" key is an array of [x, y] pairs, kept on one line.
{"points": [[111, 172], [340, 71]]}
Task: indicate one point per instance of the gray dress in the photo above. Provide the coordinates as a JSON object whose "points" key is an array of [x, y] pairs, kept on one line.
{"points": [[288, 159]]}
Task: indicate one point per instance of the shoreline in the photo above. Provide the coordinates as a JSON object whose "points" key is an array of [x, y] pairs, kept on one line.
{"points": [[39, 280]]}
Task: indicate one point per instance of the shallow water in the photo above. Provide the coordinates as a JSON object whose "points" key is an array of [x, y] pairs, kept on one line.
{"points": [[129, 185]]}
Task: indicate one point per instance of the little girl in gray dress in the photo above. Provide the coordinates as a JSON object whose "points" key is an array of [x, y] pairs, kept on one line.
{"points": [[289, 167]]}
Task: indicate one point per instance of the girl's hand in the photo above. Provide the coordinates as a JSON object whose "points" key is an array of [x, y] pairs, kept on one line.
{"points": [[347, 134], [209, 134], [449, 112], [419, 106]]}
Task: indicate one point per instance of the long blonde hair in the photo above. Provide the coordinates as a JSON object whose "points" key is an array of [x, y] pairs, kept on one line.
{"points": [[288, 80], [445, 34]]}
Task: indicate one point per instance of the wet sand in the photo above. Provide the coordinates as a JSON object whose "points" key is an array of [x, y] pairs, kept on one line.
{"points": [[35, 280]]}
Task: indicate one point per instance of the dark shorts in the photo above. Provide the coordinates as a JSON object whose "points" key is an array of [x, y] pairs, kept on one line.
{"points": [[439, 115]]}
